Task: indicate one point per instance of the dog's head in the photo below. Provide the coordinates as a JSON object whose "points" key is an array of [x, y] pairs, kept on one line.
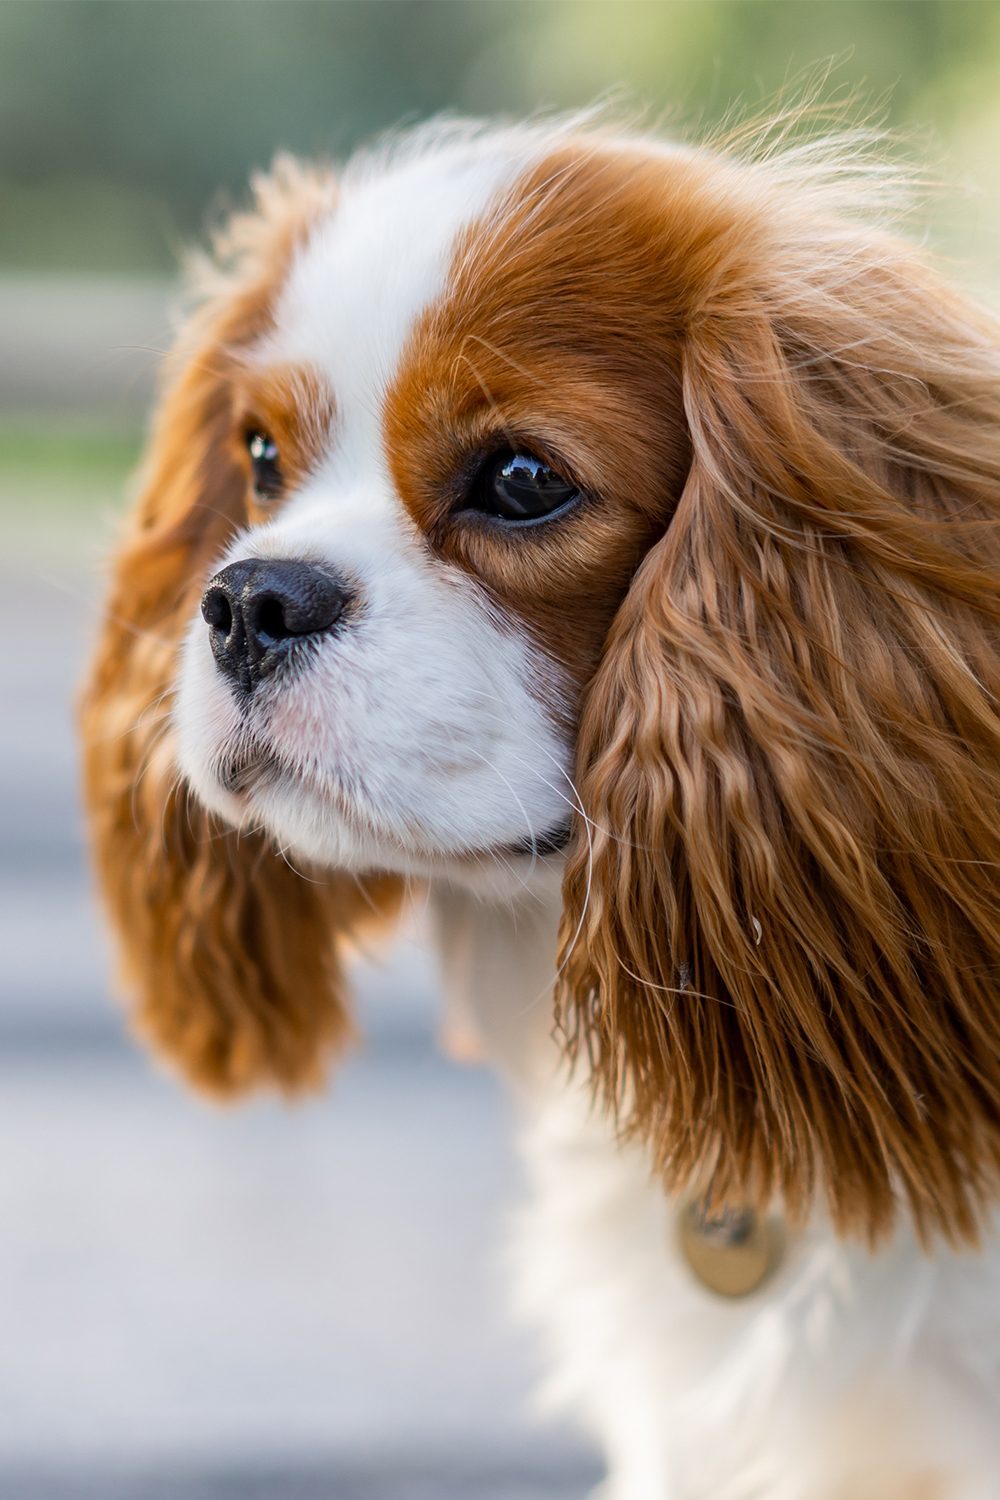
{"points": [[525, 489]]}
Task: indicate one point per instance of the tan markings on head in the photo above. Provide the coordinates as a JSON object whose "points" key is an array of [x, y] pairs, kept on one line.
{"points": [[294, 406], [229, 953], [560, 332]]}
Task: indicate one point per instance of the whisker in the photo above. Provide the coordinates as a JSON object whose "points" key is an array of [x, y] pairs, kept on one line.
{"points": [[494, 408], [522, 809]]}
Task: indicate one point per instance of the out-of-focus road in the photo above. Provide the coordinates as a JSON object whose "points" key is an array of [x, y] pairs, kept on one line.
{"points": [[266, 1304]]}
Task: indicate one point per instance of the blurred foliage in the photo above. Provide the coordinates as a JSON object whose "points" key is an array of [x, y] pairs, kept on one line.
{"points": [[122, 122], [86, 453], [62, 479]]}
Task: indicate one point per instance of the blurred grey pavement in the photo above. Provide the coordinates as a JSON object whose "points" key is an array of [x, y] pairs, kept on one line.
{"points": [[270, 1303]]}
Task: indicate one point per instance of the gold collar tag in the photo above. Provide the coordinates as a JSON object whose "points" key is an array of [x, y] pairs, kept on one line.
{"points": [[730, 1251]]}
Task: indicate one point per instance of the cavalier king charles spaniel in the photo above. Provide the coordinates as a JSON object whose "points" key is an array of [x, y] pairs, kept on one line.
{"points": [[600, 536]]}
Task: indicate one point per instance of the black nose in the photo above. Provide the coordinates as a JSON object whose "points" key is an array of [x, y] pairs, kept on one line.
{"points": [[257, 610]]}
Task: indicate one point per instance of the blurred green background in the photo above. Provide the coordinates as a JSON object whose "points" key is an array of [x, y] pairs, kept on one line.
{"points": [[126, 126], [121, 122]]}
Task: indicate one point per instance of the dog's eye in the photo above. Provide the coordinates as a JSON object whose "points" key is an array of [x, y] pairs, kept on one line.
{"points": [[518, 487], [267, 477]]}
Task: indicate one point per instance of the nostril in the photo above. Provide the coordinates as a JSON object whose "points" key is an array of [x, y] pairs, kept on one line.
{"points": [[270, 619], [258, 608], [295, 600], [217, 611]]}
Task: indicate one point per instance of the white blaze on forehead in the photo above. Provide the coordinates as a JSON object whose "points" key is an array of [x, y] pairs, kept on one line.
{"points": [[367, 272]]}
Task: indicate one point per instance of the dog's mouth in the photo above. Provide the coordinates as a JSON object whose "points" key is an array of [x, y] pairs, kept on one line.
{"points": [[554, 841], [248, 770]]}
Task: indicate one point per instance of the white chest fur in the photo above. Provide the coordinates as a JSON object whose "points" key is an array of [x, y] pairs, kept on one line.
{"points": [[848, 1376]]}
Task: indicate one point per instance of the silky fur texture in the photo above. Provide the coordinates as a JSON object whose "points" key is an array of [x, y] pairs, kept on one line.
{"points": [[229, 953], [764, 652], [781, 937], [781, 940]]}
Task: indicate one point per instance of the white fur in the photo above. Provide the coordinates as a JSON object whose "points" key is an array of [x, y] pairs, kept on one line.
{"points": [[419, 734], [417, 738], [852, 1376], [366, 274]]}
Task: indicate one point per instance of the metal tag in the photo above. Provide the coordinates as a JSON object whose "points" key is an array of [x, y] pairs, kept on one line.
{"points": [[730, 1251]]}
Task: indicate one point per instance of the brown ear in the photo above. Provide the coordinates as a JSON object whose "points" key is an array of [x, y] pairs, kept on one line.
{"points": [[781, 944], [229, 953]]}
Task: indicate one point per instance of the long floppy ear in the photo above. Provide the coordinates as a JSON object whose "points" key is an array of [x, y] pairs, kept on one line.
{"points": [[781, 944], [230, 955]]}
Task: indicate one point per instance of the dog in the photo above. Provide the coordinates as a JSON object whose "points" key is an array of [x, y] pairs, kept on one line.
{"points": [[600, 536]]}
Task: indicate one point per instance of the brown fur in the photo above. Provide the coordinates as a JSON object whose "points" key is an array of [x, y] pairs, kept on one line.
{"points": [[781, 941], [230, 954], [779, 612], [556, 333], [792, 729]]}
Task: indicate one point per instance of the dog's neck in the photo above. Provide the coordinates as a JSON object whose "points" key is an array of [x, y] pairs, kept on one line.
{"points": [[498, 965]]}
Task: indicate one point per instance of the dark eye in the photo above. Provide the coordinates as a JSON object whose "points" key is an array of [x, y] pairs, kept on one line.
{"points": [[518, 487], [267, 477]]}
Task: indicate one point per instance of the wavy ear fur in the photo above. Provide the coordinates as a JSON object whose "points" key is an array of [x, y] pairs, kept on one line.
{"points": [[781, 945], [228, 953]]}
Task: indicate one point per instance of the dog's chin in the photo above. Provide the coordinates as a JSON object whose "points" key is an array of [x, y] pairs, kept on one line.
{"points": [[328, 829]]}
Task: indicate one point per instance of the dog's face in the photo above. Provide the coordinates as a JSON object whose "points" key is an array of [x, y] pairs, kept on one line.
{"points": [[524, 489], [457, 445]]}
